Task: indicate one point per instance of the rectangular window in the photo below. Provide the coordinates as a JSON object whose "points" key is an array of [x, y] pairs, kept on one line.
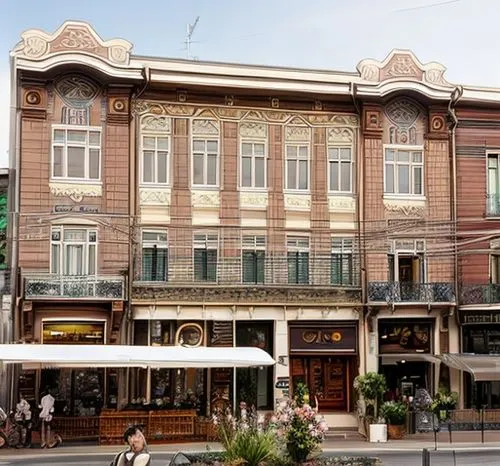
{"points": [[155, 159], [298, 260], [205, 257], [404, 172], [253, 257], [493, 206], [76, 152], [342, 264], [297, 166], [154, 256], [340, 169], [205, 162], [253, 164], [73, 251]]}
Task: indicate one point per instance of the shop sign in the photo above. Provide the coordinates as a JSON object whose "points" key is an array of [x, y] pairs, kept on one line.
{"points": [[404, 337], [84, 209], [490, 317], [309, 339], [283, 383]]}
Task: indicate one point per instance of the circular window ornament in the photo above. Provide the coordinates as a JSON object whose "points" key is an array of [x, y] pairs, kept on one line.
{"points": [[189, 335]]}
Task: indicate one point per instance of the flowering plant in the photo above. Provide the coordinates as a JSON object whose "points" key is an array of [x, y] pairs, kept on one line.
{"points": [[443, 403]]}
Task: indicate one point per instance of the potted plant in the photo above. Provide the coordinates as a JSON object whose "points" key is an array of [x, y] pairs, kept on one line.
{"points": [[372, 387], [444, 402], [394, 413]]}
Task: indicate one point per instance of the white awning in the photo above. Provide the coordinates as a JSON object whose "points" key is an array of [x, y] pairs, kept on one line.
{"points": [[53, 356], [391, 359], [483, 367]]}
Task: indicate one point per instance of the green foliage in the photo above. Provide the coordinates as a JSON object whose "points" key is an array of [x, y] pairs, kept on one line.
{"points": [[301, 394], [251, 447], [371, 387], [394, 412], [444, 402]]}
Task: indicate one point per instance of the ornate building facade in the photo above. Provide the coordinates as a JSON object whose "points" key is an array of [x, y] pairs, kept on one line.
{"points": [[171, 202]]}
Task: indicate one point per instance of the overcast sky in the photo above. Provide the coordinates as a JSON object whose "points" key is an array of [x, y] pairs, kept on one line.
{"points": [[327, 34]]}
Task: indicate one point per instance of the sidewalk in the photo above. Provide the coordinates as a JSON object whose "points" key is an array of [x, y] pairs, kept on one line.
{"points": [[461, 441]]}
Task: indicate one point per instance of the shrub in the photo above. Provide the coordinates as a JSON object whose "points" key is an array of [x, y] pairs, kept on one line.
{"points": [[394, 412], [371, 387]]}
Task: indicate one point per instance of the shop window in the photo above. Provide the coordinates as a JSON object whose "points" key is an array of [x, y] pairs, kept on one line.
{"points": [[404, 337], [254, 385], [73, 251], [205, 257], [83, 333], [298, 260], [154, 256], [253, 256]]}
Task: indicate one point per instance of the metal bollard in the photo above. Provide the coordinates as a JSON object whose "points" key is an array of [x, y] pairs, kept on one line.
{"points": [[426, 457]]}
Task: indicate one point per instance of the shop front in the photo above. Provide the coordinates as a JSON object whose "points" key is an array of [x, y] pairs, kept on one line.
{"points": [[481, 335], [324, 356]]}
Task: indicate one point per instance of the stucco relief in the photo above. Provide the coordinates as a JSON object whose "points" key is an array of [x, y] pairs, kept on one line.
{"points": [[77, 90], [297, 133], [156, 123], [210, 127], [253, 200], [72, 36], [406, 207], [253, 130], [154, 196], [297, 201], [205, 199], [340, 135], [76, 192], [341, 203]]}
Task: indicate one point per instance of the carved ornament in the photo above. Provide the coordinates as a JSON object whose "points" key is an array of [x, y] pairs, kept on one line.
{"points": [[77, 91], [297, 133], [405, 207], [206, 127], [402, 112], [156, 123], [297, 201], [295, 295], [154, 196], [253, 200], [75, 191], [341, 203], [205, 198], [74, 37], [253, 130], [340, 135]]}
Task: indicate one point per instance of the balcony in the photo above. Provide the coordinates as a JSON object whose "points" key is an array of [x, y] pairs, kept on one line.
{"points": [[410, 292], [480, 294], [96, 287], [493, 205], [248, 277]]}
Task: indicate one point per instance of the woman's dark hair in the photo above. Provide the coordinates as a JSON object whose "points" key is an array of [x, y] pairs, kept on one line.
{"points": [[131, 430]]}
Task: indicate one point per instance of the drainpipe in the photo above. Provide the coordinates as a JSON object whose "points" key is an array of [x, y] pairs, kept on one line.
{"points": [[360, 169]]}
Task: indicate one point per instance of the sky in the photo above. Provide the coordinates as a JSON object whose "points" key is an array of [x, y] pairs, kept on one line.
{"points": [[325, 34]]}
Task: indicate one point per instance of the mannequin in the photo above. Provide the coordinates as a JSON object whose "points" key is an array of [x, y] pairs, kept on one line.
{"points": [[47, 408], [23, 416]]}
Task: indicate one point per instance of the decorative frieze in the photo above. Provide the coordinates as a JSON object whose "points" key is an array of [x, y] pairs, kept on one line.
{"points": [[75, 191], [341, 135], [154, 196], [205, 199], [341, 203], [297, 201], [298, 133], [205, 127], [406, 207], [253, 200], [156, 123], [253, 130]]}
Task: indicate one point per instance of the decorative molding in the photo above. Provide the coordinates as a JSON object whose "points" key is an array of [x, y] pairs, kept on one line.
{"points": [[402, 64], [253, 200], [142, 107], [75, 191], [77, 91], [372, 121], [156, 123], [34, 103], [293, 295], [154, 196], [205, 199], [403, 112], [340, 135], [298, 201], [209, 127], [407, 207], [341, 203], [73, 37], [297, 133], [253, 130]]}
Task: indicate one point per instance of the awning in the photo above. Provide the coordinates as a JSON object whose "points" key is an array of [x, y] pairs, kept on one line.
{"points": [[483, 367], [53, 356], [388, 359]]}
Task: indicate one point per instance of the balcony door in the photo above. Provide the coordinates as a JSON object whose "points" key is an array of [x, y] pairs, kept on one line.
{"points": [[74, 251], [408, 272]]}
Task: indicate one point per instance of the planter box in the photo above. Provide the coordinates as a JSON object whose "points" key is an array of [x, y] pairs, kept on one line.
{"points": [[395, 432], [378, 433]]}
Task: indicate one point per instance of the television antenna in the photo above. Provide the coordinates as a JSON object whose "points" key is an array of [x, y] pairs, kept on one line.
{"points": [[188, 41]]}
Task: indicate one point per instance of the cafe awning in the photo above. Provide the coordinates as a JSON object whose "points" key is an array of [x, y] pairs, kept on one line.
{"points": [[395, 358], [61, 355], [483, 367]]}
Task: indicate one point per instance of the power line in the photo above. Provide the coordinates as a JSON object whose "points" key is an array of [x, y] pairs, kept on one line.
{"points": [[430, 5]]}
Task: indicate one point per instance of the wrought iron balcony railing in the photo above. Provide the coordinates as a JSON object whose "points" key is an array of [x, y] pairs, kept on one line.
{"points": [[493, 205], [480, 294], [252, 269], [50, 286], [410, 292]]}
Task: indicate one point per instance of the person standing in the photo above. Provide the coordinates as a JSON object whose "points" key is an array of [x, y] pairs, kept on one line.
{"points": [[137, 454], [47, 410], [23, 417]]}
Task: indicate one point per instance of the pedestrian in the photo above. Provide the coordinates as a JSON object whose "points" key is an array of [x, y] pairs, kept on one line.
{"points": [[46, 414], [23, 417], [137, 454]]}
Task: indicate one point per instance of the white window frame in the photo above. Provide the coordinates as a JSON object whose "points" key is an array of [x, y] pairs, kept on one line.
{"points": [[412, 165], [63, 246], [339, 161], [87, 146], [206, 138], [298, 144], [265, 157], [156, 150]]}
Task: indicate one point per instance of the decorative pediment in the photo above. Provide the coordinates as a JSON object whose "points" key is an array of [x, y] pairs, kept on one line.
{"points": [[402, 64], [72, 37]]}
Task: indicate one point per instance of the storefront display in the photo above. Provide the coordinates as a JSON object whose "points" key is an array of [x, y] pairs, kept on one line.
{"points": [[324, 357]]}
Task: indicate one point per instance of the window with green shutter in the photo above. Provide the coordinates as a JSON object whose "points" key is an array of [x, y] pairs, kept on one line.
{"points": [[342, 262], [154, 256], [298, 260], [253, 258], [205, 257]]}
